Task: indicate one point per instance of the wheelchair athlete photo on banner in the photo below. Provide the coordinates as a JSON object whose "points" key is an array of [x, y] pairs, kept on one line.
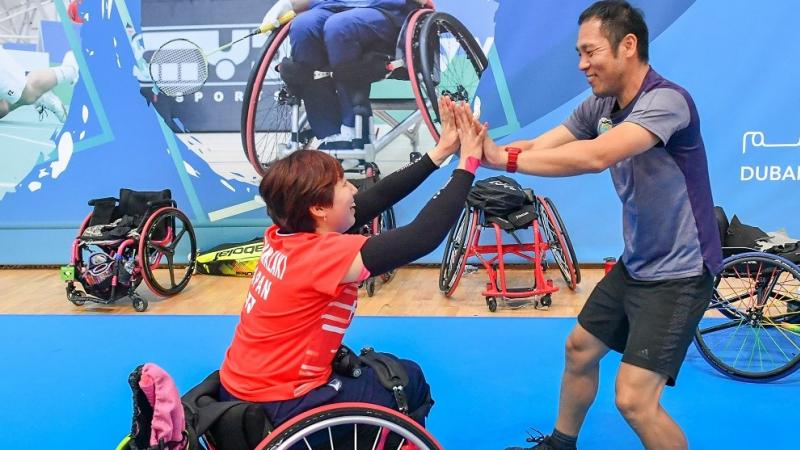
{"points": [[38, 75]]}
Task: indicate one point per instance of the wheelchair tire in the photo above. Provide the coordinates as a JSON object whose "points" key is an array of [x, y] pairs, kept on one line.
{"points": [[454, 258], [267, 105], [440, 70], [342, 420], [748, 332], [154, 247], [555, 234]]}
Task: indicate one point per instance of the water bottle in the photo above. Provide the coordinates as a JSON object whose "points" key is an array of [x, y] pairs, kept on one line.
{"points": [[608, 263]]}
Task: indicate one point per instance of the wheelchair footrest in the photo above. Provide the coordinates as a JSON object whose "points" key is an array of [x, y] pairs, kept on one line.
{"points": [[521, 289]]}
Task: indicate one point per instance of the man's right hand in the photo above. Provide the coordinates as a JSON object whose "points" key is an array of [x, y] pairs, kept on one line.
{"points": [[280, 8]]}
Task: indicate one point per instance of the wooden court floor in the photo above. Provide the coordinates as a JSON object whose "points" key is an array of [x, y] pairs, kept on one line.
{"points": [[413, 292]]}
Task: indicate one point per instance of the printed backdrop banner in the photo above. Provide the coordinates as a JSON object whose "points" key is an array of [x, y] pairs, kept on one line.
{"points": [[735, 59]]}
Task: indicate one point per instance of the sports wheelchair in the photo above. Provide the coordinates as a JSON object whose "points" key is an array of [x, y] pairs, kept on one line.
{"points": [[199, 420], [435, 52], [751, 329], [125, 241], [539, 214]]}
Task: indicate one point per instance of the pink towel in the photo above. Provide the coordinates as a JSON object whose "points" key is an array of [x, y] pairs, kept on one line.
{"points": [[168, 420]]}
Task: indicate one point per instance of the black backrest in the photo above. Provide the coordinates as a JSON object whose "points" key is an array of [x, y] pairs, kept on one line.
{"points": [[230, 425], [134, 203]]}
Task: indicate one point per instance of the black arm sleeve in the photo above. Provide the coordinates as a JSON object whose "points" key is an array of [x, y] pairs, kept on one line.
{"points": [[387, 251], [391, 189]]}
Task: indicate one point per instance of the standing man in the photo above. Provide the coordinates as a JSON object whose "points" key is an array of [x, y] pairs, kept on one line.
{"points": [[646, 130]]}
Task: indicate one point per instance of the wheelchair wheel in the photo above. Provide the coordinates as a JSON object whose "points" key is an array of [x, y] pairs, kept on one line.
{"points": [[749, 330], [267, 106], [349, 426], [167, 233], [448, 61], [455, 251], [555, 235]]}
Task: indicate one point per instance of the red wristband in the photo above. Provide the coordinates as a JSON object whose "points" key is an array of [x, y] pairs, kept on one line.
{"points": [[472, 164], [513, 153]]}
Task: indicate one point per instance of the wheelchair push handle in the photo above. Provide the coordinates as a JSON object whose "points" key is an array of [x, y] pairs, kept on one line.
{"points": [[95, 201], [155, 204]]}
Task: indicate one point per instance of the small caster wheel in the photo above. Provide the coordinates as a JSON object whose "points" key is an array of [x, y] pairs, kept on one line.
{"points": [[369, 285], [76, 298], [546, 301], [139, 304], [492, 302]]}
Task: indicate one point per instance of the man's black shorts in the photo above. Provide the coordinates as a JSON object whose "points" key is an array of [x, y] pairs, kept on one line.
{"points": [[651, 323]]}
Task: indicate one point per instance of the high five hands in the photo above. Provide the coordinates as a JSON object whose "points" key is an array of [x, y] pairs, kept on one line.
{"points": [[460, 132]]}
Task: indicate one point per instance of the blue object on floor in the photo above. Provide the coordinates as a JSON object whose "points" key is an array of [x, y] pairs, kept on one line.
{"points": [[64, 381]]}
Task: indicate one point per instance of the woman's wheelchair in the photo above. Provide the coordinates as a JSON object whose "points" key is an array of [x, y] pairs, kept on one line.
{"points": [[487, 210], [199, 420], [435, 52], [125, 241], [751, 329]]}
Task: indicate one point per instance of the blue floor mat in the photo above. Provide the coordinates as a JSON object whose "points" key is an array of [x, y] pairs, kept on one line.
{"points": [[64, 380]]}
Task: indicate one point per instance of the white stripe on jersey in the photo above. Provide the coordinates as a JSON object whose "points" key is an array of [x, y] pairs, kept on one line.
{"points": [[350, 308], [334, 318], [333, 329]]}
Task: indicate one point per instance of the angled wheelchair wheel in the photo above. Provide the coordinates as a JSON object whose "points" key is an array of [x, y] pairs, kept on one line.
{"points": [[167, 251], [454, 258], [350, 426], [555, 235], [268, 106], [447, 61], [750, 330]]}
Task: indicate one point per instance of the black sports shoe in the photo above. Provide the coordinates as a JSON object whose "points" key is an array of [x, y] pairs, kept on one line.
{"points": [[542, 442]]}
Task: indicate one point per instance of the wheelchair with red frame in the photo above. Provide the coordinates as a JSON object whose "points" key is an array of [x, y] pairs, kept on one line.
{"points": [[140, 236], [435, 53], [539, 218]]}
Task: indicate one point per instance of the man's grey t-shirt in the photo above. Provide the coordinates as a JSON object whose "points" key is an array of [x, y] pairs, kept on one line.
{"points": [[668, 219]]}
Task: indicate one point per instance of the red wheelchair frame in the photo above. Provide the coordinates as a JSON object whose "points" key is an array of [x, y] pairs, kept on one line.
{"points": [[548, 235]]}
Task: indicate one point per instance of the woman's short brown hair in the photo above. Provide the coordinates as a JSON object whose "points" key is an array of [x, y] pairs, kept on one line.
{"points": [[294, 184]]}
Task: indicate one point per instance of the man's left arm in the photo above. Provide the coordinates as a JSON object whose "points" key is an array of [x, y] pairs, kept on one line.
{"points": [[588, 156]]}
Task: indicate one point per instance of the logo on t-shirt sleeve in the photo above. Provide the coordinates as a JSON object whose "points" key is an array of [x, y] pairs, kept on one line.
{"points": [[603, 125]]}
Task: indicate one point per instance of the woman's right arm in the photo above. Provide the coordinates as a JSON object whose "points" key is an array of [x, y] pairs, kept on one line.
{"points": [[406, 244], [397, 185]]}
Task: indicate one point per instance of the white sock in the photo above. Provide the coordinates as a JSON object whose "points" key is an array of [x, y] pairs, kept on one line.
{"points": [[65, 73]]}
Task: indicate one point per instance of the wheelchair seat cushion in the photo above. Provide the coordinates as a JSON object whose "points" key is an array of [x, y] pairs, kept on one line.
{"points": [[110, 233]]}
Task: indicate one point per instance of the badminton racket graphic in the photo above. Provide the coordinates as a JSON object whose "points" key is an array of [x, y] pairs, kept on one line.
{"points": [[180, 67]]}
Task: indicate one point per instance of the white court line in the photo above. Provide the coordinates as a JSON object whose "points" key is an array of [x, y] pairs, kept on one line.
{"points": [[230, 211], [45, 144]]}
